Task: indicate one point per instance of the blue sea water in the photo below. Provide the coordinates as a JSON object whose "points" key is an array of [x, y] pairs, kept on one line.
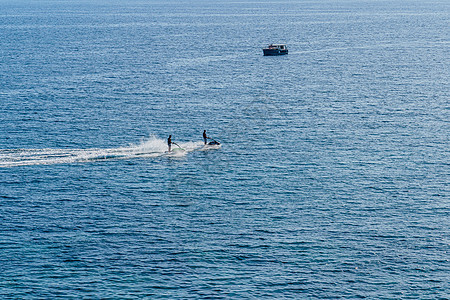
{"points": [[332, 179]]}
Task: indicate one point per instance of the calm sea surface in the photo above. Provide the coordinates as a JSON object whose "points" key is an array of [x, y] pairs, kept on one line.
{"points": [[332, 179]]}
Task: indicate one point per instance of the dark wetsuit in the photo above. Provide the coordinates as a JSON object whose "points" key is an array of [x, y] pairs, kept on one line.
{"points": [[169, 142], [205, 138]]}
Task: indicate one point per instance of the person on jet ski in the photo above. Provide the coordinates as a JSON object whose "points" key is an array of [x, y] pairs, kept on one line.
{"points": [[205, 138], [169, 142]]}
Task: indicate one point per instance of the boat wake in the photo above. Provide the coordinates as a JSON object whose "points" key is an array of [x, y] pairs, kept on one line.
{"points": [[152, 147]]}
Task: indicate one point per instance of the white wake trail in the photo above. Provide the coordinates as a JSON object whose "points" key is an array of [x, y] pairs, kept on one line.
{"points": [[152, 147]]}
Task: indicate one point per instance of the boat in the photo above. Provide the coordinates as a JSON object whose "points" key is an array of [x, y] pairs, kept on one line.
{"points": [[275, 49]]}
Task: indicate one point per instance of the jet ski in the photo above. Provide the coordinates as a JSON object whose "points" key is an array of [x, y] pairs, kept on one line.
{"points": [[213, 142]]}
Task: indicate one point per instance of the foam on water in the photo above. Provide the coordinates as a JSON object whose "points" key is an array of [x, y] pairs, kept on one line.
{"points": [[151, 147]]}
